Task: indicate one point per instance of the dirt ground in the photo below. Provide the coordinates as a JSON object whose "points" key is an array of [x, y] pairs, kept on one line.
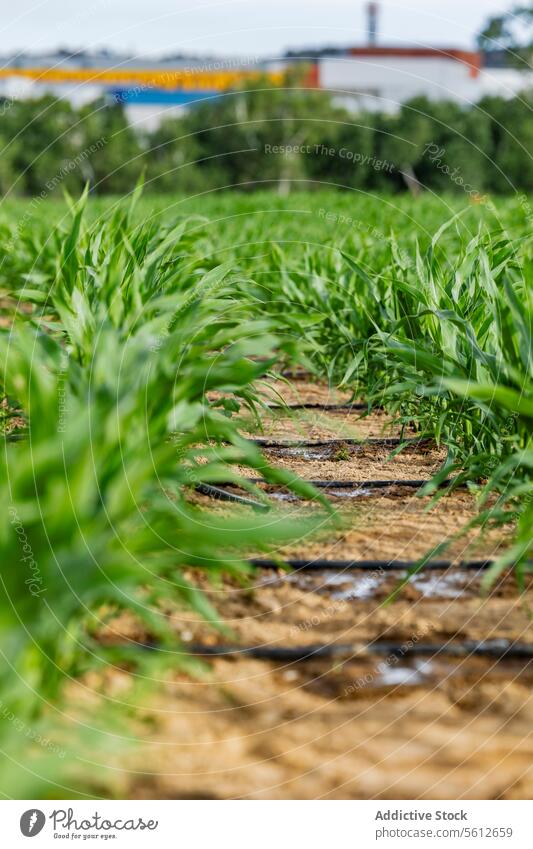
{"points": [[360, 463], [407, 725], [320, 424], [402, 527], [436, 729], [301, 390]]}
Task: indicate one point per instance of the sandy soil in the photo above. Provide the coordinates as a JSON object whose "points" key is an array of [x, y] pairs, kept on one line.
{"points": [[358, 462], [260, 730], [404, 528], [300, 609], [301, 391], [391, 524], [296, 390], [319, 424], [367, 727]]}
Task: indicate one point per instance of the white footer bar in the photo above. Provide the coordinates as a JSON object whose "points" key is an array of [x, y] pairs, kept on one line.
{"points": [[267, 824]]}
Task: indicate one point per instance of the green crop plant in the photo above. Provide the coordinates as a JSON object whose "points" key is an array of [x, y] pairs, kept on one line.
{"points": [[132, 335], [111, 385]]}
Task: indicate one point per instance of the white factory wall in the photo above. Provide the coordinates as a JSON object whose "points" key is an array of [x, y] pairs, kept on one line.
{"points": [[21, 88], [505, 82], [359, 83], [385, 82], [148, 116]]}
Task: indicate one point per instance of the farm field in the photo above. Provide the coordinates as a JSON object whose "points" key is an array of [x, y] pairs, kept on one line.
{"points": [[267, 497]]}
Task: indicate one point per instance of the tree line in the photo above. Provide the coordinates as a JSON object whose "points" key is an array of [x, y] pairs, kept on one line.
{"points": [[262, 138]]}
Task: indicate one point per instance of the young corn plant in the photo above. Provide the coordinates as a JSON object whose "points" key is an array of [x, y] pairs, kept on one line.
{"points": [[465, 354], [116, 424]]}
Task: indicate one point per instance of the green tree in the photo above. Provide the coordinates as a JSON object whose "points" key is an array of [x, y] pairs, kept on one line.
{"points": [[109, 149], [172, 159], [41, 145], [261, 136], [511, 123], [512, 33]]}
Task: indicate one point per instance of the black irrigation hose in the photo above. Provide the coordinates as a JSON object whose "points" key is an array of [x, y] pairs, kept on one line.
{"points": [[298, 373], [371, 484], [322, 443], [312, 405], [498, 649], [324, 484], [223, 495], [218, 492], [371, 565]]}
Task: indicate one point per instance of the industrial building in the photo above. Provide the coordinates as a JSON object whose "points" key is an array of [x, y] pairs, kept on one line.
{"points": [[149, 90], [372, 77], [382, 78]]}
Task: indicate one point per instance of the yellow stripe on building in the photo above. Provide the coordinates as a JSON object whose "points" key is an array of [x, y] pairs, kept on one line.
{"points": [[186, 79]]}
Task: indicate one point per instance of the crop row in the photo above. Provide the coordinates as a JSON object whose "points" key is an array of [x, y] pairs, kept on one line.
{"points": [[129, 343]]}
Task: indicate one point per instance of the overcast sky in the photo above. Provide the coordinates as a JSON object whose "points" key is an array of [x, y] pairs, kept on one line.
{"points": [[245, 27]]}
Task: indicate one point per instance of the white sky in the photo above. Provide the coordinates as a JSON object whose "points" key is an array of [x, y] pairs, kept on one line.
{"points": [[238, 27]]}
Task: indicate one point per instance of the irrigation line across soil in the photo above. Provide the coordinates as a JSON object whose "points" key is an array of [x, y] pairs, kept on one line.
{"points": [[297, 374], [340, 441], [371, 484], [313, 405], [373, 565], [222, 495], [220, 491], [497, 649]]}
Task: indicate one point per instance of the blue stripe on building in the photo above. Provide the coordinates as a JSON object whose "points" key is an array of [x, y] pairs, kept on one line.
{"points": [[161, 97]]}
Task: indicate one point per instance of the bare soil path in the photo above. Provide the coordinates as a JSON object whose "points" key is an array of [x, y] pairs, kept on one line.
{"points": [[366, 726]]}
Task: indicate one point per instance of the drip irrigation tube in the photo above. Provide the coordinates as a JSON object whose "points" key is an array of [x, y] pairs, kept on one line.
{"points": [[314, 405], [371, 565], [497, 649], [297, 374], [223, 495], [322, 484], [372, 484], [340, 441]]}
